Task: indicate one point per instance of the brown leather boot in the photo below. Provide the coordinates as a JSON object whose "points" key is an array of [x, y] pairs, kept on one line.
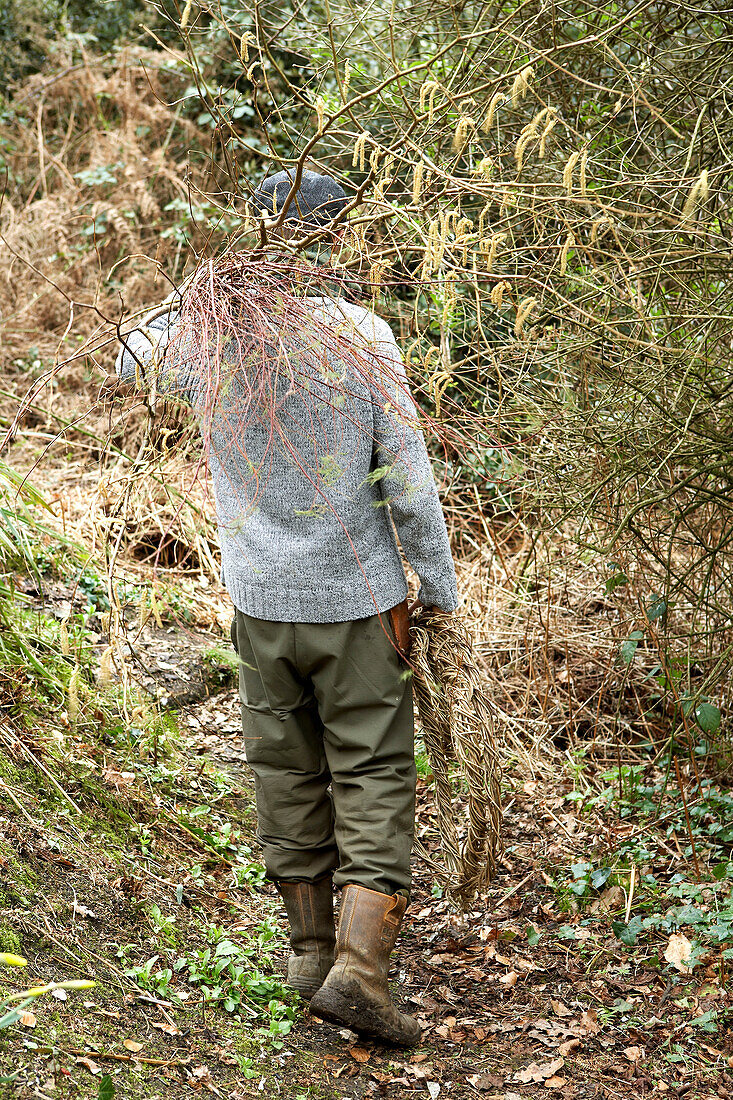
{"points": [[309, 906], [356, 992]]}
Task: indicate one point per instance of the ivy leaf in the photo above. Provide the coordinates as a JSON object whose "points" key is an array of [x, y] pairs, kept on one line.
{"points": [[687, 703], [708, 1021], [628, 648], [628, 933], [689, 914], [656, 608], [106, 1088], [599, 877], [708, 717], [720, 870], [533, 936]]}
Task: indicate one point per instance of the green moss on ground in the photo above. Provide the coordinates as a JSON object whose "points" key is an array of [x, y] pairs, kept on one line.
{"points": [[10, 940]]}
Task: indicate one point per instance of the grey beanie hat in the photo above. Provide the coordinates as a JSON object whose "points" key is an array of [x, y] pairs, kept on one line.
{"points": [[316, 202]]}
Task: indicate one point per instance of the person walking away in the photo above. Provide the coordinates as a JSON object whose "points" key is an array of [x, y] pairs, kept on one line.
{"points": [[310, 559]]}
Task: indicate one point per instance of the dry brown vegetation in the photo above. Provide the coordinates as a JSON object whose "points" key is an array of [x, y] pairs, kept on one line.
{"points": [[544, 216]]}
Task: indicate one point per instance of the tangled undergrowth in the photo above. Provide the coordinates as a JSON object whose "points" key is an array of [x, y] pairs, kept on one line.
{"points": [[543, 214]]}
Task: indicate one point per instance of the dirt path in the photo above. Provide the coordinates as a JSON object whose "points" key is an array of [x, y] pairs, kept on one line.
{"points": [[517, 998], [529, 995]]}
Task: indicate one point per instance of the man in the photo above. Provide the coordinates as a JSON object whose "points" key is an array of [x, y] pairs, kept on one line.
{"points": [[306, 521]]}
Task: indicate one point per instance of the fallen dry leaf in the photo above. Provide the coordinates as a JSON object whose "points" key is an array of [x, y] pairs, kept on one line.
{"points": [[678, 951], [84, 911], [420, 1072], [611, 898], [509, 979], [118, 779], [130, 1044], [535, 1072], [554, 1029], [633, 1053], [202, 1074], [90, 1065], [485, 1081], [589, 1022], [525, 964], [560, 1009], [620, 1070], [713, 1050], [569, 1047], [167, 1029]]}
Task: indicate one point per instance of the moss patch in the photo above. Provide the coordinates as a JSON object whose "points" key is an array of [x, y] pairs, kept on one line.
{"points": [[10, 940]]}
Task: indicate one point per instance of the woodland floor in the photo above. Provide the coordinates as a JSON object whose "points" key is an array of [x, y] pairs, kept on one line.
{"points": [[529, 995]]}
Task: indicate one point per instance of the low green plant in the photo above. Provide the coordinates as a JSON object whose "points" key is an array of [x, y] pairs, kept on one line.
{"points": [[232, 975], [163, 926], [191, 213], [653, 899], [222, 665], [671, 677], [422, 765], [150, 976], [153, 736], [621, 1012], [703, 910], [226, 839]]}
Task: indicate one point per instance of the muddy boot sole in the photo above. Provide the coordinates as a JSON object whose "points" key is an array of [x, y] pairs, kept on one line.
{"points": [[345, 1003]]}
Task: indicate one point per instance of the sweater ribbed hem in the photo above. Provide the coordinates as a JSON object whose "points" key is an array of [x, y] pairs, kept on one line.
{"points": [[327, 605]]}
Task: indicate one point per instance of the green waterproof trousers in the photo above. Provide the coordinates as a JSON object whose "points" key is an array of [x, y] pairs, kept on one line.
{"points": [[328, 729]]}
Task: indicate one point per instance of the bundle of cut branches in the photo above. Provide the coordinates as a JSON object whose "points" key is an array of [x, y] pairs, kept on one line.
{"points": [[459, 731]]}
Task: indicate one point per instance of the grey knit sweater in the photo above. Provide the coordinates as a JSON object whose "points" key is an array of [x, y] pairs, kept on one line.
{"points": [[305, 514]]}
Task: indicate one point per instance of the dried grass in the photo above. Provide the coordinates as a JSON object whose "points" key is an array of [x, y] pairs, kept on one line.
{"points": [[95, 153], [550, 284]]}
